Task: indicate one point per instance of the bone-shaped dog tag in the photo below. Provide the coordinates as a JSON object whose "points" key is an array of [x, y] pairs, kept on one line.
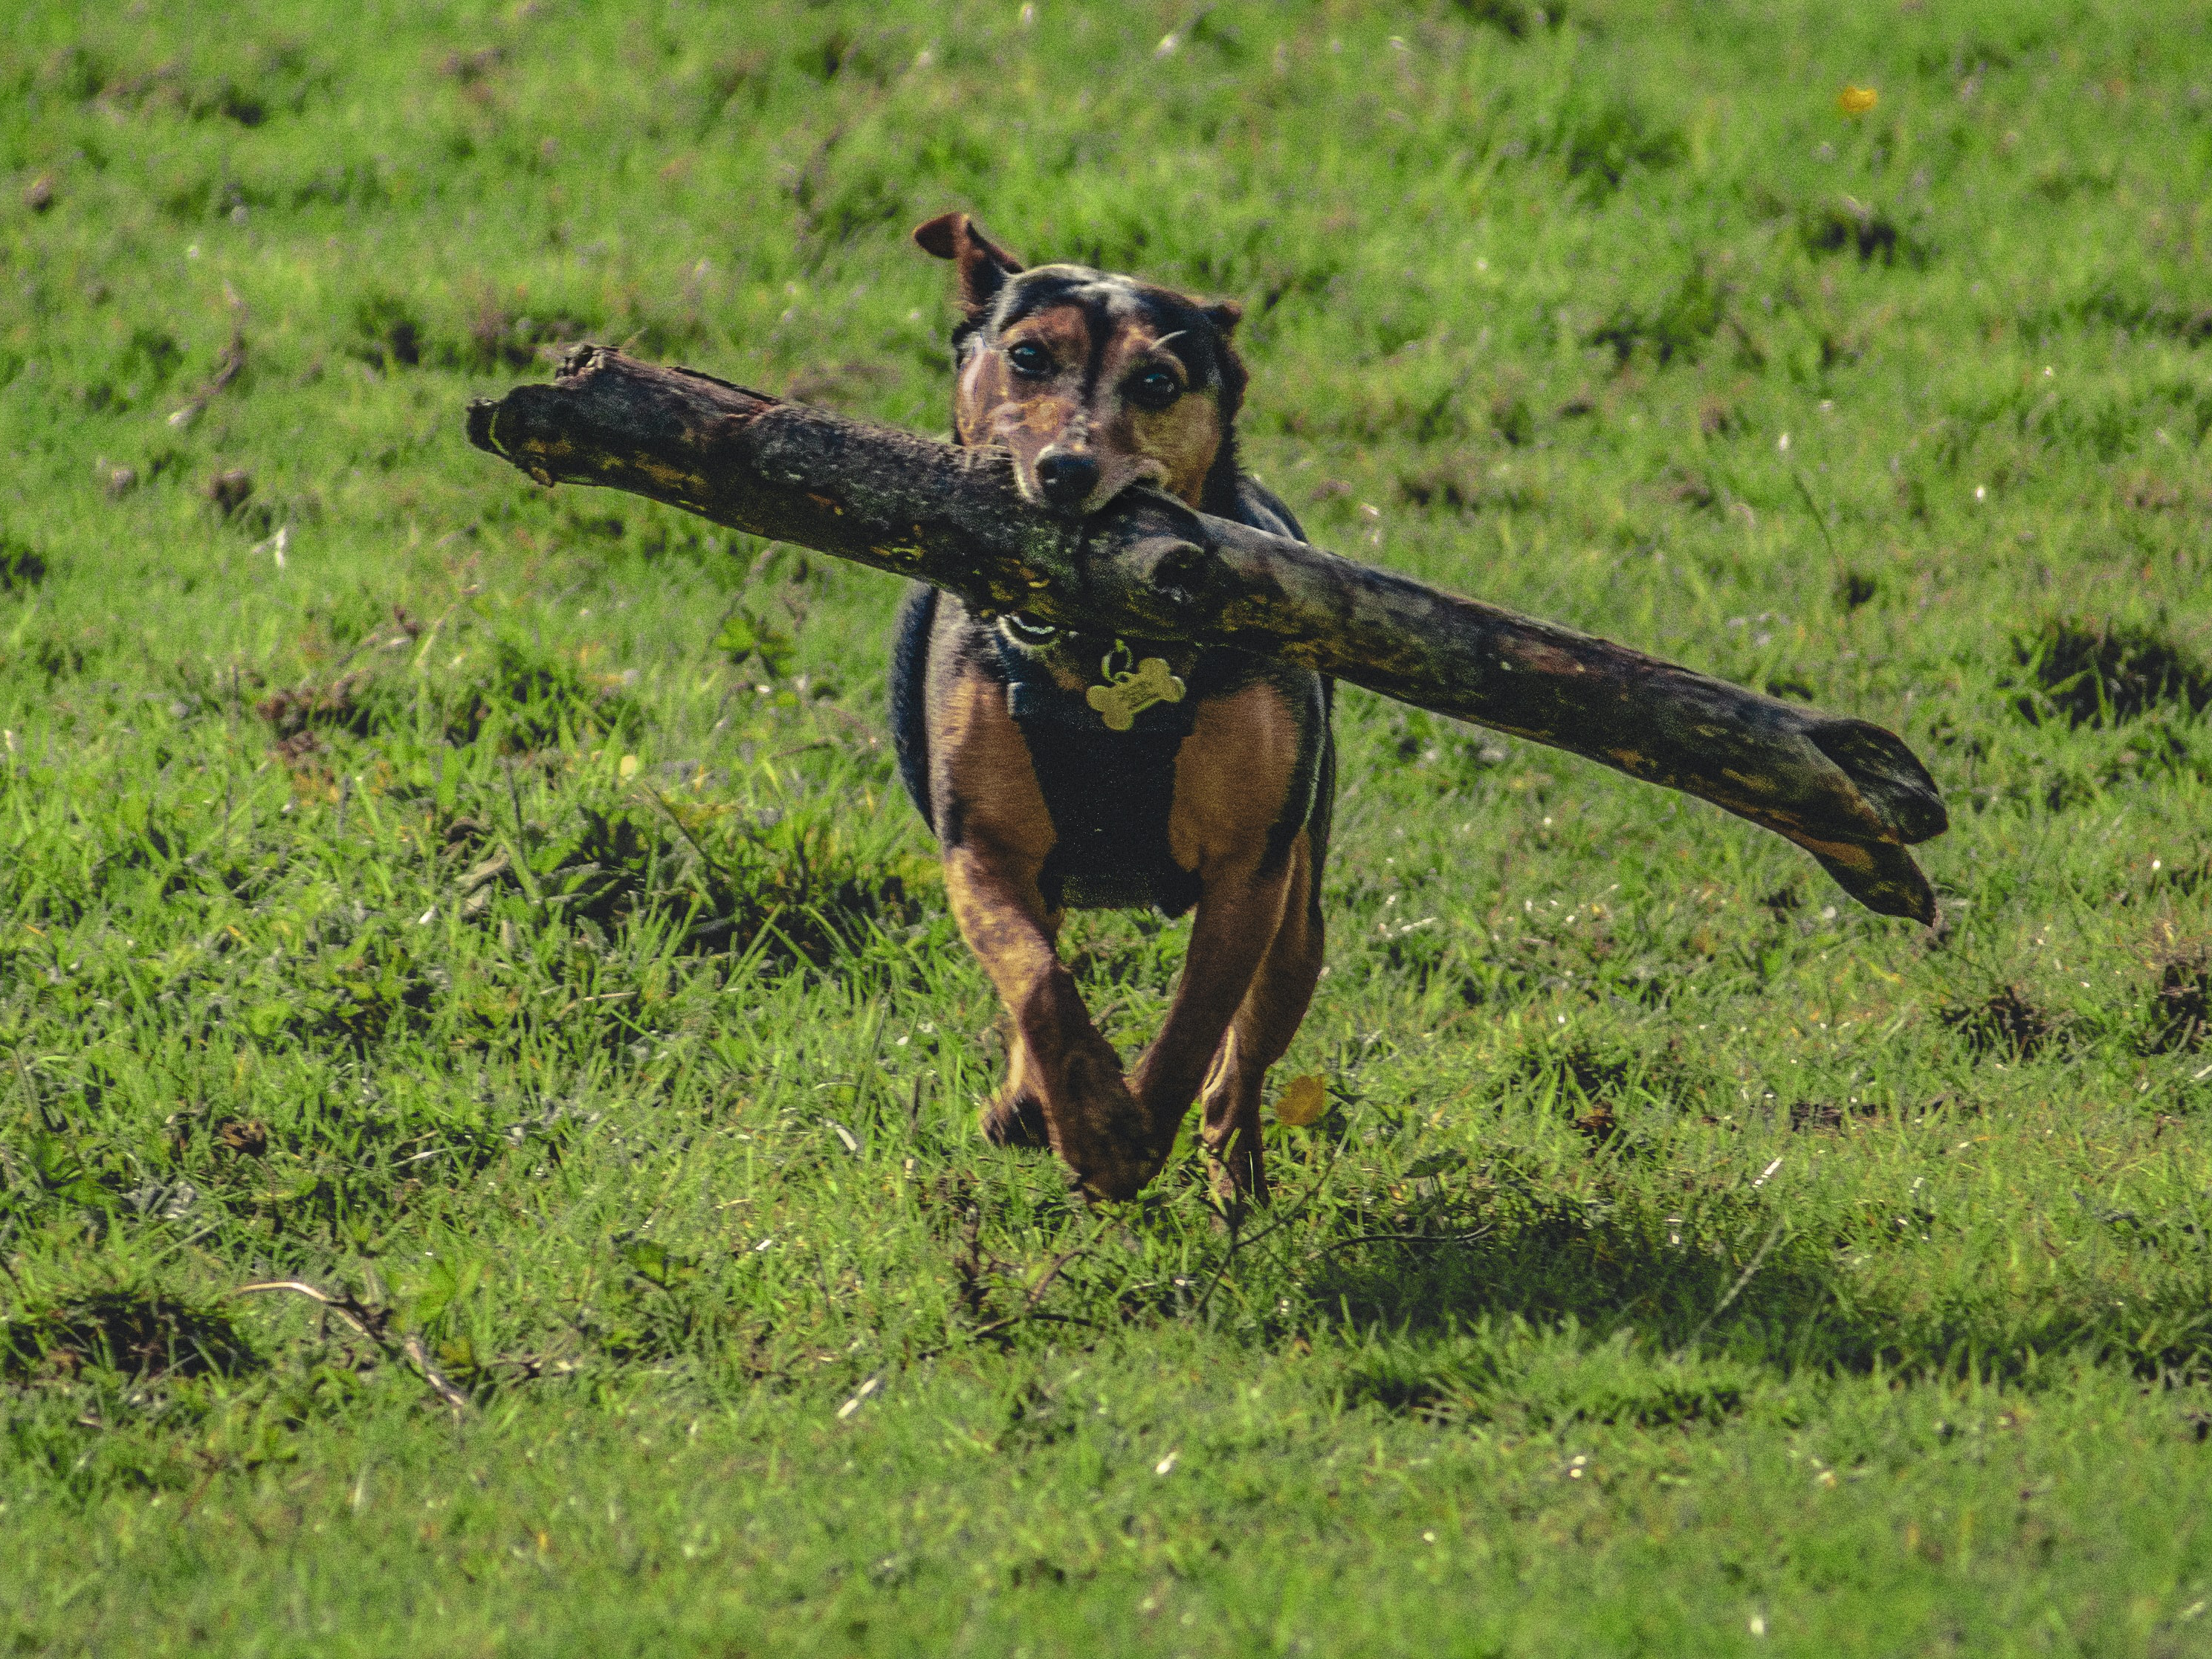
{"points": [[1131, 694]]}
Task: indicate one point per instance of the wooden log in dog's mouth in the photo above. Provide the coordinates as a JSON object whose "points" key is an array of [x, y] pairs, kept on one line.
{"points": [[1851, 793]]}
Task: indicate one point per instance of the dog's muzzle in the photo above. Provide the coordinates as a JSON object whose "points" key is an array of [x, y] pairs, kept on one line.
{"points": [[1067, 479]]}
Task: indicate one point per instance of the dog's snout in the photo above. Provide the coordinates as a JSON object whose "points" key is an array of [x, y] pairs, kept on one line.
{"points": [[1067, 479]]}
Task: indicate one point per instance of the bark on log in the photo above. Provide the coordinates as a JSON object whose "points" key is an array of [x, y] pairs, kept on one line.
{"points": [[1849, 793]]}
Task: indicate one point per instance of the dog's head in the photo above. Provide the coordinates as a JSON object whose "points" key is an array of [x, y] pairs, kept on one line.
{"points": [[1094, 381]]}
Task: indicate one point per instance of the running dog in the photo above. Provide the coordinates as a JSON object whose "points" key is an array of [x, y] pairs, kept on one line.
{"points": [[1066, 770]]}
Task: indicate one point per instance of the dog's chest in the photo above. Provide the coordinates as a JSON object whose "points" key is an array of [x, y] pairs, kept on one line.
{"points": [[1107, 774]]}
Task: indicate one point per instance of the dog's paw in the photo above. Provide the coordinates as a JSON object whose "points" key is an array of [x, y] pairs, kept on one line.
{"points": [[1104, 1130], [1015, 1119]]}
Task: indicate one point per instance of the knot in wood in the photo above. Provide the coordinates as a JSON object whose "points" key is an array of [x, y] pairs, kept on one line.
{"points": [[1169, 573]]}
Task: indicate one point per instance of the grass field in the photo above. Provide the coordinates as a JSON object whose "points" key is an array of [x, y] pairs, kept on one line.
{"points": [[496, 905]]}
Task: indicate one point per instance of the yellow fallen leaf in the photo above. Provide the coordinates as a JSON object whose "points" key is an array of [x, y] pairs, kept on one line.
{"points": [[1303, 1101], [628, 766], [1858, 101]]}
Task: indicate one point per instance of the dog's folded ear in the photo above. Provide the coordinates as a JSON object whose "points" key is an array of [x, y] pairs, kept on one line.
{"points": [[984, 265], [1223, 314]]}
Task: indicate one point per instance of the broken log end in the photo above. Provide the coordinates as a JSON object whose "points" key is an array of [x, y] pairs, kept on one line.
{"points": [[1888, 776], [483, 412], [1882, 877]]}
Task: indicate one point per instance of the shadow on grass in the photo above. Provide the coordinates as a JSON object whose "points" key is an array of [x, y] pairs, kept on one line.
{"points": [[144, 1335], [1772, 1299]]}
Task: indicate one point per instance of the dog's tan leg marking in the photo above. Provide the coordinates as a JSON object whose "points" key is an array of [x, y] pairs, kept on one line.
{"points": [[999, 833], [1232, 776], [1261, 1033], [1015, 1116], [1237, 918]]}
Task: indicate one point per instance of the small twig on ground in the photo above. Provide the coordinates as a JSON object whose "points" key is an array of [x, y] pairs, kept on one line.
{"points": [[1467, 1237], [227, 367], [370, 1322], [973, 1271], [412, 1347], [1239, 1239], [803, 748], [997, 1327], [1035, 1292], [1735, 1290]]}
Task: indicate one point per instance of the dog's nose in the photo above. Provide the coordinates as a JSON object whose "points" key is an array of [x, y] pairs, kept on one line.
{"points": [[1067, 480]]}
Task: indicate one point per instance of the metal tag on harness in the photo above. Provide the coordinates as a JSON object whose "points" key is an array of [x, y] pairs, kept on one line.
{"points": [[1129, 691]]}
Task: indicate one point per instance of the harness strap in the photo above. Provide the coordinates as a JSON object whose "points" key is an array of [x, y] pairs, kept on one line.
{"points": [[1033, 694]]}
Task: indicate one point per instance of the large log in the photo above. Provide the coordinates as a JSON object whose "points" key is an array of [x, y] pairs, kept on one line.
{"points": [[1850, 793]]}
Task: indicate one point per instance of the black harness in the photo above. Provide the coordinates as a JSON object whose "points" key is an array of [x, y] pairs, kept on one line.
{"points": [[1110, 793]]}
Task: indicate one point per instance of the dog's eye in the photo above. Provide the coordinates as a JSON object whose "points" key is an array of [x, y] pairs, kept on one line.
{"points": [[1029, 359], [1154, 389]]}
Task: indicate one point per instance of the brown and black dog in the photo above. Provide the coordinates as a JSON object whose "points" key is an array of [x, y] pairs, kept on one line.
{"points": [[1062, 770]]}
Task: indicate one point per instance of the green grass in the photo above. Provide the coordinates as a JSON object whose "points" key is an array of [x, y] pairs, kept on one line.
{"points": [[498, 903]]}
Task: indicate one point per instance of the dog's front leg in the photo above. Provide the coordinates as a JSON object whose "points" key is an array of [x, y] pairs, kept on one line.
{"points": [[1233, 783], [1261, 1033], [1239, 912], [1093, 1121]]}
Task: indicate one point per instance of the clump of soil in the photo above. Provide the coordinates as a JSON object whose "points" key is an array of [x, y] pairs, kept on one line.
{"points": [[2181, 1006], [2106, 673], [1825, 1114], [2005, 1025], [144, 1335]]}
